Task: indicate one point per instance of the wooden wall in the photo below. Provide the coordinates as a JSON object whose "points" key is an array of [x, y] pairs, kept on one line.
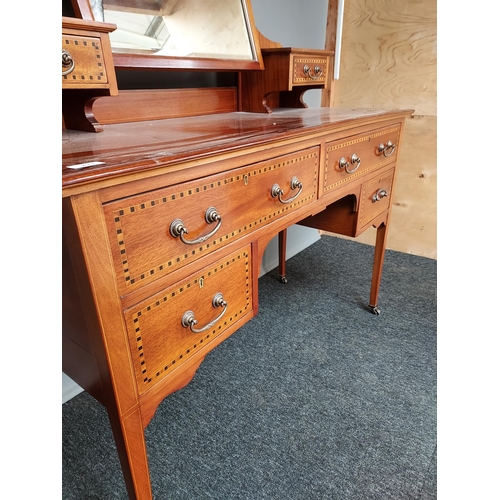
{"points": [[388, 60]]}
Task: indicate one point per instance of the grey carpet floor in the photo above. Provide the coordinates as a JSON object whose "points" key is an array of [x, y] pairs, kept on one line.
{"points": [[315, 398]]}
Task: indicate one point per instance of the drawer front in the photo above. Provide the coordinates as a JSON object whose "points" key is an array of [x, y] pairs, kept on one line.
{"points": [[159, 342], [147, 239], [373, 149], [82, 62], [375, 197], [309, 70]]}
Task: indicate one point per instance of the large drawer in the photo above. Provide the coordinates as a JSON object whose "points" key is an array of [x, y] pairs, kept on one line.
{"points": [[350, 158], [155, 233], [216, 298]]}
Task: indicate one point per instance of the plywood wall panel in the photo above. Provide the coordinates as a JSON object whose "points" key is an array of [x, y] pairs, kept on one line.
{"points": [[389, 55], [413, 220]]}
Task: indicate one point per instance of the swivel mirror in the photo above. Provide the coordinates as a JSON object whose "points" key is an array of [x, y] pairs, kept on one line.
{"points": [[178, 34]]}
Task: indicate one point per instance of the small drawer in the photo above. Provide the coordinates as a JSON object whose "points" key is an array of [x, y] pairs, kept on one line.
{"points": [[82, 62], [375, 198], [309, 70], [170, 327], [155, 233], [349, 159]]}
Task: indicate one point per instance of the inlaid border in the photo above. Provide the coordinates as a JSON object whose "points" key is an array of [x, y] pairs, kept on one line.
{"points": [[308, 60], [92, 74]]}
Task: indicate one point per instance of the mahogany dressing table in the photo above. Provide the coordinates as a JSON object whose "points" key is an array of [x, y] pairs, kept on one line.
{"points": [[168, 209]]}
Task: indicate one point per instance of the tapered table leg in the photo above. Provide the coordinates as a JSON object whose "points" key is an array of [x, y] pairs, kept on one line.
{"points": [[129, 438], [378, 262], [282, 255]]}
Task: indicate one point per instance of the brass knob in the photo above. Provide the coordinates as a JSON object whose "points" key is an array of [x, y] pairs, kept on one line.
{"points": [[381, 193], [277, 192], [67, 62], [387, 149], [313, 74], [178, 229], [188, 319], [355, 160], [343, 163]]}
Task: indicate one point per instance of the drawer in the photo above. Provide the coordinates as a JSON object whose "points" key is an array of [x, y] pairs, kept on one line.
{"points": [[349, 159], [309, 70], [82, 62], [156, 233], [159, 330], [375, 198]]}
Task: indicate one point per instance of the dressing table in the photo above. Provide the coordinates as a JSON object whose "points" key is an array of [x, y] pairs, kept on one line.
{"points": [[170, 196]]}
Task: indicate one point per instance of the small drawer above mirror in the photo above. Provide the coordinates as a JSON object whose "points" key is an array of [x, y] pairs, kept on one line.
{"points": [[87, 62], [87, 71], [309, 69]]}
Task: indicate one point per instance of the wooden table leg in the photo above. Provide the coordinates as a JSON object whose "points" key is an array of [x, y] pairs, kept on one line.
{"points": [[282, 255], [128, 433], [378, 262]]}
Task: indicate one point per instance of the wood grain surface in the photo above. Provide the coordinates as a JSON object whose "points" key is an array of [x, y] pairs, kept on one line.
{"points": [[389, 55]]}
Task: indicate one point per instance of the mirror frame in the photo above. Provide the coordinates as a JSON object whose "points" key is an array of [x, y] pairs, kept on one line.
{"points": [[122, 60]]}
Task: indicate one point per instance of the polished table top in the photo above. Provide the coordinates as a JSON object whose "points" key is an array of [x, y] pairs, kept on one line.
{"points": [[122, 148]]}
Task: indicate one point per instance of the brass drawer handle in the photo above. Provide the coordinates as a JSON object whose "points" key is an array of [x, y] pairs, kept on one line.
{"points": [[178, 229], [189, 321], [387, 149], [355, 160], [67, 62], [313, 74], [277, 192], [381, 193]]}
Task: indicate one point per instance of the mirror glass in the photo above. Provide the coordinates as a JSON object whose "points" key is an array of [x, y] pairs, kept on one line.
{"points": [[179, 28]]}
